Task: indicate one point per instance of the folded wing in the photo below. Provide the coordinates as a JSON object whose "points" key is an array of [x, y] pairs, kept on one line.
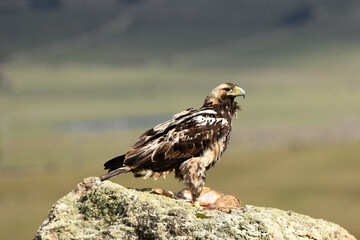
{"points": [[168, 144]]}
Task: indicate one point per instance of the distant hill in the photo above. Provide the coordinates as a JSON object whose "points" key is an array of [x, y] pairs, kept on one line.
{"points": [[139, 32]]}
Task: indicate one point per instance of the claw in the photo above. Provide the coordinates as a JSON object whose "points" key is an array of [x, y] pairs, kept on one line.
{"points": [[197, 205]]}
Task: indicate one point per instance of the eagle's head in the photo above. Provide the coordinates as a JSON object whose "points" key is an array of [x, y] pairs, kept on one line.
{"points": [[227, 90], [224, 95]]}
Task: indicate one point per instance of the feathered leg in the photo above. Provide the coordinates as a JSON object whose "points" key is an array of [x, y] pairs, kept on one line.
{"points": [[193, 174]]}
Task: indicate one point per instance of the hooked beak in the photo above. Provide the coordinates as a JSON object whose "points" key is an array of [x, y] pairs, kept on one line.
{"points": [[238, 92]]}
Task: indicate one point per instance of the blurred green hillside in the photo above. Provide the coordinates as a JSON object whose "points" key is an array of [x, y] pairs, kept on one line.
{"points": [[81, 80]]}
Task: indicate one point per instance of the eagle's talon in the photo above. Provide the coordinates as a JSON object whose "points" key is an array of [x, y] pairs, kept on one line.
{"points": [[197, 205]]}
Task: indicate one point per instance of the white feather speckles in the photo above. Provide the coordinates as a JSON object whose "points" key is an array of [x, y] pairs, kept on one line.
{"points": [[224, 121], [202, 121]]}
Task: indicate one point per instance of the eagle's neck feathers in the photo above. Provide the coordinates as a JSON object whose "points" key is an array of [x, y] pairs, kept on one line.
{"points": [[225, 106]]}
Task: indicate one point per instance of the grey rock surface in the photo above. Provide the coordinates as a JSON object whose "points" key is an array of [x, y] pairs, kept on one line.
{"points": [[105, 210]]}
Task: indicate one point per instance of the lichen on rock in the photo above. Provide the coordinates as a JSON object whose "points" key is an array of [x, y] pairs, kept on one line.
{"points": [[105, 210]]}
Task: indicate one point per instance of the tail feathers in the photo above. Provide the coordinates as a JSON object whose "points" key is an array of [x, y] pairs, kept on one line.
{"points": [[115, 166], [115, 172], [115, 163]]}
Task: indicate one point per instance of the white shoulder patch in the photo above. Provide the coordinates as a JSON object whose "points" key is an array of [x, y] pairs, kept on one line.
{"points": [[209, 111], [206, 120]]}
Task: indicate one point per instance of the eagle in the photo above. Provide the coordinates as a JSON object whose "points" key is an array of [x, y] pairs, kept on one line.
{"points": [[189, 143]]}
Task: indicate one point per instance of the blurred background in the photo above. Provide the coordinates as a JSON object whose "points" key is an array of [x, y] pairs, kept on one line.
{"points": [[81, 80]]}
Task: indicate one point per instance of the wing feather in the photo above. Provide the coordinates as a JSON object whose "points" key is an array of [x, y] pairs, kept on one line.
{"points": [[186, 135]]}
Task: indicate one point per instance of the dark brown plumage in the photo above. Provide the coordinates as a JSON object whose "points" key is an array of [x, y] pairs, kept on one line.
{"points": [[189, 143]]}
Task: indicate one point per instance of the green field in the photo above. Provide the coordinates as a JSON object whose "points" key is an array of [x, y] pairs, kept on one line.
{"points": [[79, 84]]}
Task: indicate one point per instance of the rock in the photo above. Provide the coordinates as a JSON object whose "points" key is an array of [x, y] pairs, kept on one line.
{"points": [[105, 210]]}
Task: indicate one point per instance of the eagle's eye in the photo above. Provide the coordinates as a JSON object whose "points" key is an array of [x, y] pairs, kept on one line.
{"points": [[226, 89]]}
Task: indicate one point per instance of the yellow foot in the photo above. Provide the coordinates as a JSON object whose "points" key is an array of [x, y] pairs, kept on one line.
{"points": [[197, 205], [206, 188]]}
